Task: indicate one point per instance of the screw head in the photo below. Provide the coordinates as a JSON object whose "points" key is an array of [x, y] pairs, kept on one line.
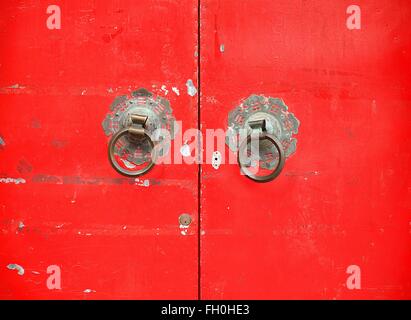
{"points": [[185, 219]]}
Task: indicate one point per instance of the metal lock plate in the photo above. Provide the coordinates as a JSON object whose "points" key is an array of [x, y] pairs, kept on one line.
{"points": [[279, 122], [135, 152]]}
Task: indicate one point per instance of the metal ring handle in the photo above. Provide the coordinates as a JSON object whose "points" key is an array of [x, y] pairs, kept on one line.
{"points": [[281, 159], [115, 164]]}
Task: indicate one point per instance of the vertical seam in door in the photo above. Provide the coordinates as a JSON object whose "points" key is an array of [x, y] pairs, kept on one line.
{"points": [[199, 145]]}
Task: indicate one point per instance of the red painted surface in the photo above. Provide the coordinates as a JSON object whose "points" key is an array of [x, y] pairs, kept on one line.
{"points": [[343, 198], [119, 240]]}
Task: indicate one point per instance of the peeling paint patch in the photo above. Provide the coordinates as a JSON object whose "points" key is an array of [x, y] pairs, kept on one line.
{"points": [[164, 89], [19, 268], [2, 142], [184, 230], [89, 291], [88, 234], [175, 90], [12, 180], [21, 225], [16, 86], [191, 89], [222, 48], [142, 183]]}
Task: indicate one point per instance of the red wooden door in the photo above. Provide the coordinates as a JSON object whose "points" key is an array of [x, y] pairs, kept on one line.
{"points": [[61, 202], [335, 224], [342, 202]]}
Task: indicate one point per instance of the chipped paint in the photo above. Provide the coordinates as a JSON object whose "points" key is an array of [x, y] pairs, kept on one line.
{"points": [[175, 90], [19, 268], [16, 86], [2, 142], [191, 89], [222, 48], [184, 230], [12, 180], [21, 225], [164, 89], [89, 291], [73, 200], [142, 183]]}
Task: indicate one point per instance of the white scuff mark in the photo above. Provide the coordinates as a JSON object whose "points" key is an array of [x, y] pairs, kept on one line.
{"points": [[12, 180], [142, 183], [89, 291], [19, 268], [84, 234], [222, 48], [216, 160], [83, 92], [175, 90], [35, 272], [21, 225], [16, 86], [125, 228], [110, 90], [164, 89], [73, 200], [202, 232], [191, 89], [185, 150], [59, 226]]}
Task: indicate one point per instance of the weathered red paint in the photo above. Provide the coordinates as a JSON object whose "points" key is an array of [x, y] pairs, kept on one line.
{"points": [[111, 237], [343, 198]]}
